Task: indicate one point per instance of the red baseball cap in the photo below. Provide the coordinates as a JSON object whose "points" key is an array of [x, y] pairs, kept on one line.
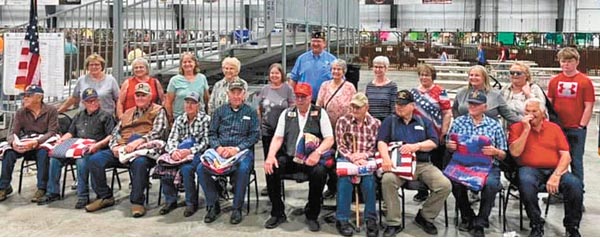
{"points": [[303, 89]]}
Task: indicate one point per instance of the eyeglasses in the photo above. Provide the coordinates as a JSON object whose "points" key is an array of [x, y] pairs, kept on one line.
{"points": [[379, 67], [516, 73]]}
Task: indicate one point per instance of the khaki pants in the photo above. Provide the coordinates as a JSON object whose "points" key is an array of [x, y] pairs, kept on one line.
{"points": [[427, 173]]}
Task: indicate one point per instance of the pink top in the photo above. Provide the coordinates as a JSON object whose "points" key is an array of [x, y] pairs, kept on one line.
{"points": [[340, 104]]}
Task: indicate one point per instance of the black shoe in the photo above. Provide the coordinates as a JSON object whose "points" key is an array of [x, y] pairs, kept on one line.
{"points": [[465, 225], [81, 203], [212, 213], [427, 226], [537, 231], [313, 225], [344, 228], [47, 199], [391, 231], [167, 208], [236, 216], [372, 228], [275, 221], [189, 210], [328, 194], [421, 196], [477, 232], [573, 232]]}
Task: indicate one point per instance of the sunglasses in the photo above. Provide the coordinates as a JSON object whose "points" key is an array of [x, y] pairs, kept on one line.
{"points": [[516, 73]]}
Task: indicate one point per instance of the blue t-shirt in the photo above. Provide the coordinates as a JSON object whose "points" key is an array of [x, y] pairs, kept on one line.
{"points": [[313, 69], [182, 87]]}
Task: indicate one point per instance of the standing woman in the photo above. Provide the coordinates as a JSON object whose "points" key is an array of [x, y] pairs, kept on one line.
{"points": [[432, 102], [521, 88], [335, 94], [141, 74], [496, 105], [274, 98], [188, 80], [381, 91], [106, 86], [231, 69]]}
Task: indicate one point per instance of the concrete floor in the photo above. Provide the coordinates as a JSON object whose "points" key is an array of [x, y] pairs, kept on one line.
{"points": [[22, 218]]}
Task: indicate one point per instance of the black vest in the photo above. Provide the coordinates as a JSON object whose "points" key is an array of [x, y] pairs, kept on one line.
{"points": [[292, 129]]}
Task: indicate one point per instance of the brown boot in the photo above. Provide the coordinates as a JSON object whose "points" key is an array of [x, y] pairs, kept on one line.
{"points": [[138, 210], [99, 204], [38, 195]]}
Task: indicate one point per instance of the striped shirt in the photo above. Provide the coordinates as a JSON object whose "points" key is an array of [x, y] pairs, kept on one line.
{"points": [[182, 129], [230, 127], [381, 99]]}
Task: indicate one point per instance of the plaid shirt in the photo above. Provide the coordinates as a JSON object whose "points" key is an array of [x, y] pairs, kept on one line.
{"points": [[182, 129], [234, 128], [365, 134], [159, 127], [489, 127]]}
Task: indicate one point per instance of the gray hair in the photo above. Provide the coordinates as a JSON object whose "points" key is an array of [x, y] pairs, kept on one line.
{"points": [[382, 60], [539, 102], [233, 61], [143, 61], [342, 64]]}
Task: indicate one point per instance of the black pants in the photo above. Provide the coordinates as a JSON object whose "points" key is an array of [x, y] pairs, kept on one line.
{"points": [[317, 175]]}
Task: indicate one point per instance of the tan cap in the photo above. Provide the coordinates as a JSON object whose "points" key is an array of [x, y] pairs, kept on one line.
{"points": [[359, 100], [143, 88]]}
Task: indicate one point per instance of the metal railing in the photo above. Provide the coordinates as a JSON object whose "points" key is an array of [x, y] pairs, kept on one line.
{"points": [[211, 29]]}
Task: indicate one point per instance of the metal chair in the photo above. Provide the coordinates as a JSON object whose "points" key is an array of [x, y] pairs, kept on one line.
{"points": [[514, 186]]}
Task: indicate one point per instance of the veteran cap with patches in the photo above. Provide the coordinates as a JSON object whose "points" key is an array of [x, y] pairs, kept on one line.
{"points": [[89, 93], [477, 97], [143, 88], [318, 35], [32, 89], [404, 97], [236, 84]]}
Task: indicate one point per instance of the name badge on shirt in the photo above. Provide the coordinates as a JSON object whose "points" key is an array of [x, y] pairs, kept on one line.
{"points": [[420, 128], [291, 114], [314, 113], [245, 118]]}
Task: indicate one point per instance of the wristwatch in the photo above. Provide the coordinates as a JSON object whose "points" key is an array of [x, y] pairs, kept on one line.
{"points": [[582, 127]]}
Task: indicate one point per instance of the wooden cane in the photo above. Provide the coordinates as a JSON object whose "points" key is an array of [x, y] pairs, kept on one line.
{"points": [[357, 206]]}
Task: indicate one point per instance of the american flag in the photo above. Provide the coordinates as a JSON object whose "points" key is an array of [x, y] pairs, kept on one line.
{"points": [[29, 70]]}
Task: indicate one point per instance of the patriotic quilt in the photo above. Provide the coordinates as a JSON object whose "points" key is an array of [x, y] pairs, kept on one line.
{"points": [[469, 166]]}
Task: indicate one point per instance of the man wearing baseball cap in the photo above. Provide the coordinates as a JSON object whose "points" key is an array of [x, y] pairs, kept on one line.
{"points": [[145, 122], [35, 117], [293, 123], [90, 123], [234, 128], [313, 66], [356, 134], [192, 126], [477, 123], [418, 137]]}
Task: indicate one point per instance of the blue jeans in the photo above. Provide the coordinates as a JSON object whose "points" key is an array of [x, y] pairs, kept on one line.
{"points": [[576, 139], [8, 165], [240, 175], [344, 197], [530, 181], [488, 195], [138, 170], [83, 174], [189, 183]]}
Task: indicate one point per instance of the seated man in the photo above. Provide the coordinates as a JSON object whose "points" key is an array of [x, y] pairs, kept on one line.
{"points": [[477, 123], [145, 122], [358, 149], [418, 136], [234, 127], [193, 126], [543, 154], [35, 117], [293, 123], [91, 123]]}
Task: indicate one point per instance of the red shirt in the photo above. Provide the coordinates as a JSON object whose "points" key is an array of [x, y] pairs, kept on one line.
{"points": [[541, 148], [129, 101], [568, 95]]}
